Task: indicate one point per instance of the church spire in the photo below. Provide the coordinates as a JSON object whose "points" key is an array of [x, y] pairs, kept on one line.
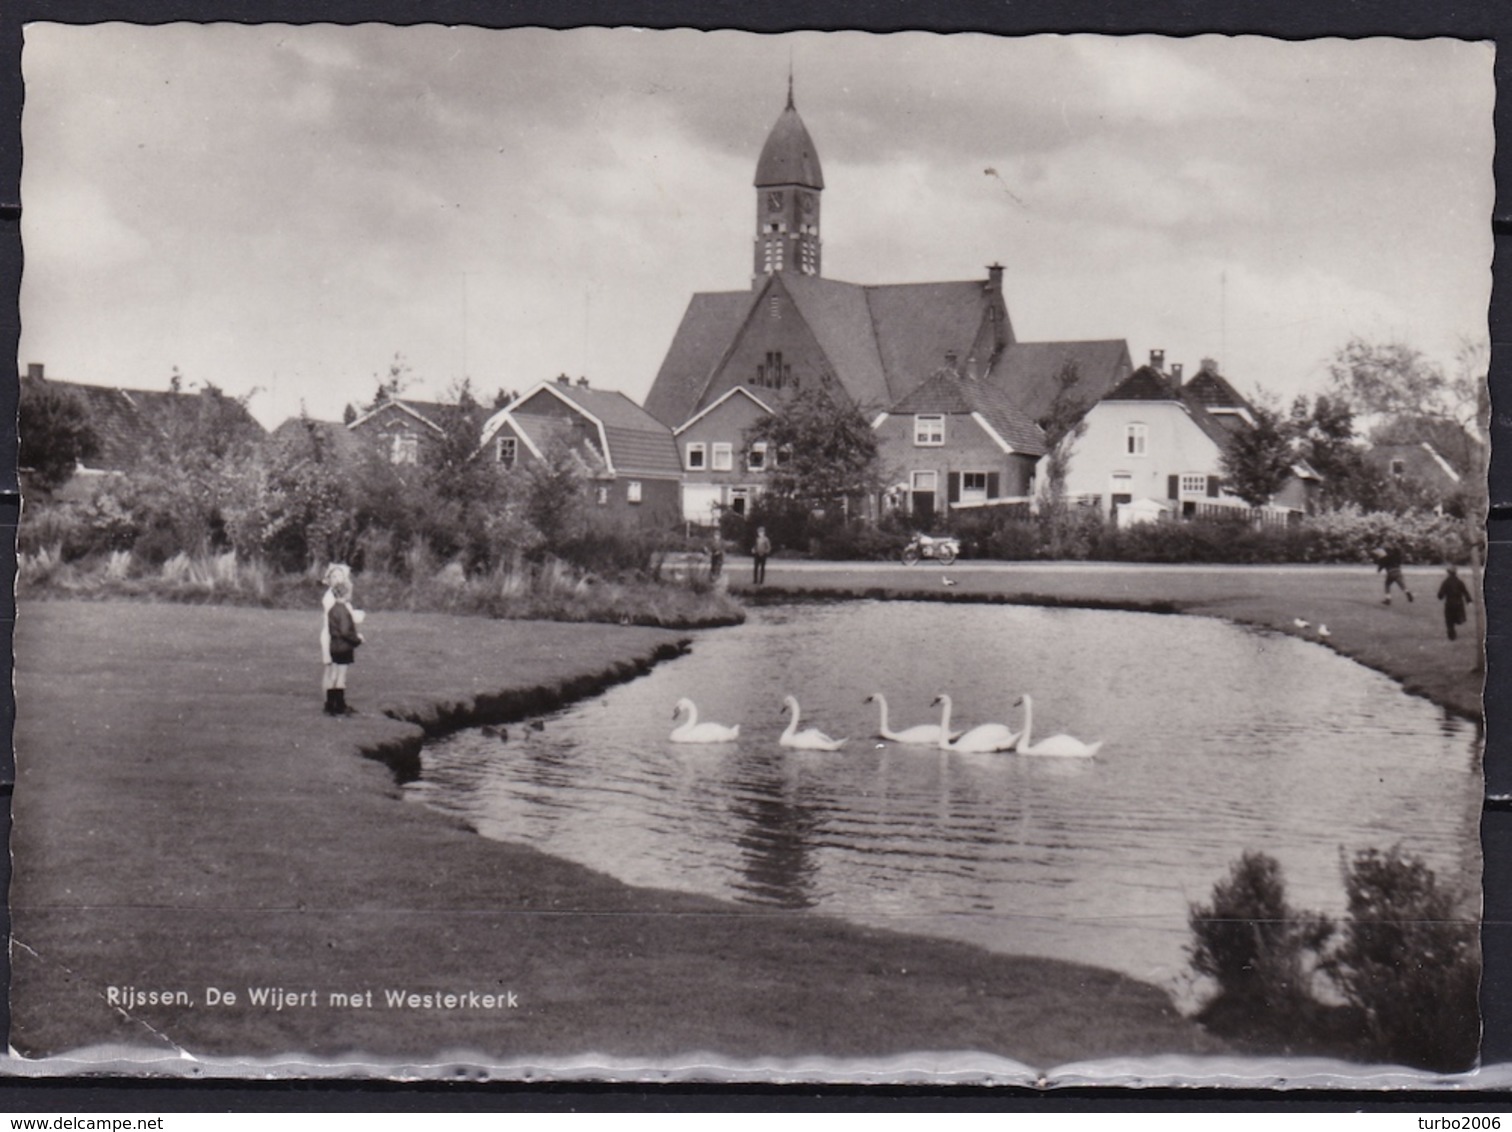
{"points": [[788, 183]]}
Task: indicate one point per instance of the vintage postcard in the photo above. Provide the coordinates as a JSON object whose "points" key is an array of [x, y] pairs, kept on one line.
{"points": [[679, 555]]}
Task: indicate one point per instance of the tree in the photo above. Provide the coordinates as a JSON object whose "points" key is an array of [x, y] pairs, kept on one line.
{"points": [[1064, 425], [820, 452], [1418, 399], [1257, 460], [56, 434], [393, 383]]}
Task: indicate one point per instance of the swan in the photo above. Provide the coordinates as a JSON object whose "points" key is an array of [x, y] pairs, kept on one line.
{"points": [[982, 739], [1323, 631], [925, 734], [810, 739], [1063, 745], [695, 732]]}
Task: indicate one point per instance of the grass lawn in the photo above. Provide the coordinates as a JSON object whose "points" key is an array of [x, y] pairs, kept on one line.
{"points": [[1405, 640], [185, 818]]}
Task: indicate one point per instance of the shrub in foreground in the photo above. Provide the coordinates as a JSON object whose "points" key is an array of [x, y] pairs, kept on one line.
{"points": [[1396, 982]]}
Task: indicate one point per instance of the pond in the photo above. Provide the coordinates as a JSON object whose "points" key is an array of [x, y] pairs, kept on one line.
{"points": [[1218, 739]]}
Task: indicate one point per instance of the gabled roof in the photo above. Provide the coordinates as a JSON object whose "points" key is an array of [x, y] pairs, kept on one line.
{"points": [[1027, 371], [843, 323], [950, 392], [1213, 390], [128, 422], [1149, 384], [741, 390], [432, 414], [630, 440]]}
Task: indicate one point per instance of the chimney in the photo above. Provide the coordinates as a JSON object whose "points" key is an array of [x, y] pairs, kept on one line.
{"points": [[582, 383], [952, 360], [1209, 365], [564, 381], [1176, 368], [995, 276], [34, 370], [1157, 359]]}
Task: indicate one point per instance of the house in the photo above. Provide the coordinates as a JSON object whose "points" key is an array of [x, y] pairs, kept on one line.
{"points": [[1419, 464], [405, 430], [871, 345], [720, 472], [131, 424], [957, 442], [1155, 438], [629, 457]]}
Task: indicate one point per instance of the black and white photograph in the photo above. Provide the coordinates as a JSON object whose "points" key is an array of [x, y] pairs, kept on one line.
{"points": [[615, 554]]}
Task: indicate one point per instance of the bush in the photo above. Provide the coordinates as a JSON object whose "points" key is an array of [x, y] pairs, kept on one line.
{"points": [[1406, 965], [1263, 954], [1410, 961]]}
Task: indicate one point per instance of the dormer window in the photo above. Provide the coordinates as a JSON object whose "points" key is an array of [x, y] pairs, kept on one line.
{"points": [[929, 430]]}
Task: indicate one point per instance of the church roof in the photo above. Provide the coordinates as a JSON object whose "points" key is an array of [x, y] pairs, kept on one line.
{"points": [[1027, 370], [950, 392], [880, 341], [707, 328], [789, 156]]}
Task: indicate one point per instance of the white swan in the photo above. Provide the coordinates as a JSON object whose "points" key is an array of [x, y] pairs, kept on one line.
{"points": [[1063, 745], [810, 739], [695, 732], [925, 734], [982, 739]]}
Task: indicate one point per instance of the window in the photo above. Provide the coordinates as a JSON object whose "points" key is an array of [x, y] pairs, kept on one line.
{"points": [[784, 457], [507, 451], [1399, 467], [774, 373], [405, 448], [1193, 484], [696, 456], [724, 457], [1136, 440], [929, 429], [1121, 488], [602, 495], [756, 457], [633, 491], [973, 487]]}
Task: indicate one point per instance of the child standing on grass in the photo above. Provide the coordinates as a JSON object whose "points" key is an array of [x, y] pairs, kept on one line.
{"points": [[1455, 595], [339, 637]]}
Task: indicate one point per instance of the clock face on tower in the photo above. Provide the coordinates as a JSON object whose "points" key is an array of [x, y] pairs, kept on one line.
{"points": [[807, 200], [774, 202]]}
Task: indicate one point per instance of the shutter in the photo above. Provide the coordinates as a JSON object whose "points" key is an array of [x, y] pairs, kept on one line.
{"points": [[953, 487], [1173, 487], [992, 485], [1212, 487]]}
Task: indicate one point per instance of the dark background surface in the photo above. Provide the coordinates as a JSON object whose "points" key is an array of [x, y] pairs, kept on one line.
{"points": [[1289, 19]]}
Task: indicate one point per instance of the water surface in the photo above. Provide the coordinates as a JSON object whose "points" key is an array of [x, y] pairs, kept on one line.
{"points": [[1217, 738]]}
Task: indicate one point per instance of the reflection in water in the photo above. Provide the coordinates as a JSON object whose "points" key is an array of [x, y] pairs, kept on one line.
{"points": [[1219, 739]]}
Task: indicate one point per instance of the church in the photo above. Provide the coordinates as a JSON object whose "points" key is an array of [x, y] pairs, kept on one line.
{"points": [[737, 355]]}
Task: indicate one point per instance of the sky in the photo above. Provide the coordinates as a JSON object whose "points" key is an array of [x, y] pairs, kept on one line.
{"points": [[282, 211]]}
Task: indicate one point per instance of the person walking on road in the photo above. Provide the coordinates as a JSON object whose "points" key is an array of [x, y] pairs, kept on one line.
{"points": [[1390, 560], [1455, 595], [760, 550]]}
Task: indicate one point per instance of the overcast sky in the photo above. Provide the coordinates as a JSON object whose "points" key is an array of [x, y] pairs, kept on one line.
{"points": [[285, 208]]}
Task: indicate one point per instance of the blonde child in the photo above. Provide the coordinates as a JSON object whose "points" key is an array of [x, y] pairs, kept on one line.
{"points": [[339, 637]]}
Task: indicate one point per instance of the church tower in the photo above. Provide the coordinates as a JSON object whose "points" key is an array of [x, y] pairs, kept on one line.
{"points": [[788, 184]]}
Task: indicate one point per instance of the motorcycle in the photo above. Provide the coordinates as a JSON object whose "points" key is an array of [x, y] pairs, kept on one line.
{"points": [[943, 549]]}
